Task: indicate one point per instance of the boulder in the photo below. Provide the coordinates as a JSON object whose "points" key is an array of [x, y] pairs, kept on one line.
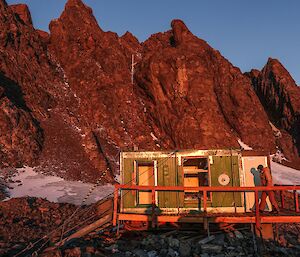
{"points": [[73, 252], [211, 248], [185, 249]]}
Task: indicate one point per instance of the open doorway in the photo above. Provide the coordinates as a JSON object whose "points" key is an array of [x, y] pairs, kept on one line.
{"points": [[195, 174], [146, 176]]}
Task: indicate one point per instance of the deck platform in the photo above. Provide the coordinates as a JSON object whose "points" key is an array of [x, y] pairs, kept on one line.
{"points": [[283, 217], [286, 215]]}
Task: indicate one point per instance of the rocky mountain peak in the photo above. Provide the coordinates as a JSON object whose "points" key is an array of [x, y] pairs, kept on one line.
{"points": [[180, 31], [129, 37], [275, 85], [77, 17], [23, 13], [76, 4], [275, 66], [3, 4], [130, 43], [280, 96]]}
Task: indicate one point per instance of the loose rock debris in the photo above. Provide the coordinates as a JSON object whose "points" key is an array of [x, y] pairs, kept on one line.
{"points": [[24, 221]]}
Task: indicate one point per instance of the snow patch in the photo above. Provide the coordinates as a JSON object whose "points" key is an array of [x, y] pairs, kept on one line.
{"points": [[244, 146], [153, 136], [55, 189], [99, 65], [278, 157], [275, 130], [77, 128], [283, 175]]}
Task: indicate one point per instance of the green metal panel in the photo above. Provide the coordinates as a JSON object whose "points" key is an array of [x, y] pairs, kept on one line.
{"points": [[128, 196], [180, 183], [162, 174], [225, 165], [168, 176]]}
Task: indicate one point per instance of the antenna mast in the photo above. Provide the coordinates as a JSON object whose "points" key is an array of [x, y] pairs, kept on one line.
{"points": [[133, 63]]}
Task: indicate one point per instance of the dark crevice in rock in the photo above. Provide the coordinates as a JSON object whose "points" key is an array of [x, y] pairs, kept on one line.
{"points": [[13, 92]]}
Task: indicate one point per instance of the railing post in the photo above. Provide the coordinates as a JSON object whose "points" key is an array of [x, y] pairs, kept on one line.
{"points": [[282, 199], [296, 199], [115, 213], [204, 200], [153, 208], [257, 217]]}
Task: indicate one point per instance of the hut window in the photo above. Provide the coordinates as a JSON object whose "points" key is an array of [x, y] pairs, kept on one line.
{"points": [[195, 171]]}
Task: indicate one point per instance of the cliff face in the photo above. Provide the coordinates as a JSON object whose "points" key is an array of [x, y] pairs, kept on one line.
{"points": [[73, 89], [34, 94], [280, 96], [196, 96], [97, 65], [20, 136]]}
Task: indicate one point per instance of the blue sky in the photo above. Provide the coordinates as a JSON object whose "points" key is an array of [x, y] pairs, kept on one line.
{"points": [[245, 32]]}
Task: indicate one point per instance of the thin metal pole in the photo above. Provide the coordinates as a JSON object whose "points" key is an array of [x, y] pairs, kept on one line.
{"points": [[233, 180], [282, 198], [257, 217], [204, 200], [296, 199], [132, 68], [116, 196], [253, 228], [153, 208]]}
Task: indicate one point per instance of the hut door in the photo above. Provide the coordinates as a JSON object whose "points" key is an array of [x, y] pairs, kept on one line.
{"points": [[145, 177], [252, 178], [225, 172]]}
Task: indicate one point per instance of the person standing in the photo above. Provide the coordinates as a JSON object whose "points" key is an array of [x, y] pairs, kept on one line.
{"points": [[266, 180]]}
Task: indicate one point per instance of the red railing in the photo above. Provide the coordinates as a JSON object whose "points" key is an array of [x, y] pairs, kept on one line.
{"points": [[204, 190]]}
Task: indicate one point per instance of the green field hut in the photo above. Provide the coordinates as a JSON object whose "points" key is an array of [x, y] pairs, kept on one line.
{"points": [[190, 168]]}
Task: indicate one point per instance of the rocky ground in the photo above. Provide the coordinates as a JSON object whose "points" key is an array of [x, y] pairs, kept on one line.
{"points": [[24, 221], [218, 244]]}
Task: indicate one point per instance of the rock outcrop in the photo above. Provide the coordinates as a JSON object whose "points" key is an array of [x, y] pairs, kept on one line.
{"points": [[97, 65], [34, 90], [22, 12], [20, 135], [280, 96], [196, 96]]}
